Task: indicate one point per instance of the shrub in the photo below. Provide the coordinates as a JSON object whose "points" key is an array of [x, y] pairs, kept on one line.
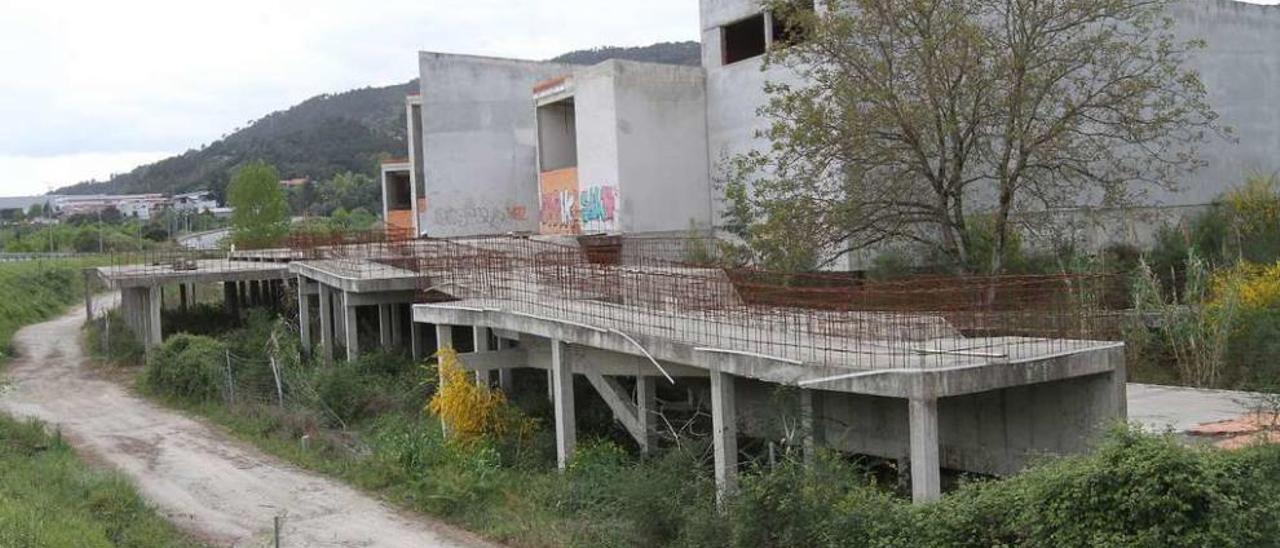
{"points": [[109, 338], [188, 367]]}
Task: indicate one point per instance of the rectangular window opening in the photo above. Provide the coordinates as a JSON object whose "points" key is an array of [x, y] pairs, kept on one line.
{"points": [[744, 39], [557, 135]]}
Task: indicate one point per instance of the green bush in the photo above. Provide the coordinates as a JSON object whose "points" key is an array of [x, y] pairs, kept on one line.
{"points": [[188, 367], [109, 338]]}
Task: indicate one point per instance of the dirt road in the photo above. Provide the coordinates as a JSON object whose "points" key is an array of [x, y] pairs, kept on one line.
{"points": [[219, 489]]}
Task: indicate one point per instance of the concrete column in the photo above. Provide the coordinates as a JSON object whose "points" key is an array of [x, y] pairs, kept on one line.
{"points": [[562, 386], [326, 322], [926, 470], [1120, 382], [154, 335], [646, 404], [724, 434], [88, 295], [385, 312], [809, 425], [229, 298], [304, 314], [444, 339], [182, 297], [481, 337], [351, 326], [506, 377], [397, 326], [415, 341]]}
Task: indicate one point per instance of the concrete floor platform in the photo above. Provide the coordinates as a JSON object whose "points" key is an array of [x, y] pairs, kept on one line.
{"points": [[1179, 409]]}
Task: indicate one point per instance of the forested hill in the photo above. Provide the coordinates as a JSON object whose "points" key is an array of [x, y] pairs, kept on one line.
{"points": [[325, 135]]}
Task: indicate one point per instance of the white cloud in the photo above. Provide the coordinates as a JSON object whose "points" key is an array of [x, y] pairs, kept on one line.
{"points": [[26, 175]]}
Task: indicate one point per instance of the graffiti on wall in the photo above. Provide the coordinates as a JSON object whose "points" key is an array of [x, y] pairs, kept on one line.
{"points": [[558, 201], [599, 206]]}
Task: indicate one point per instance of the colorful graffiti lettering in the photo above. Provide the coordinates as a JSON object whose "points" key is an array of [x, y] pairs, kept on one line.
{"points": [[557, 208], [599, 204]]}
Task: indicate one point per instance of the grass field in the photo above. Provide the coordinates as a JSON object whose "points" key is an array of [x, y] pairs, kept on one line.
{"points": [[48, 496]]}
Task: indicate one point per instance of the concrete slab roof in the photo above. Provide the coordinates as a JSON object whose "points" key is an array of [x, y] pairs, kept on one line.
{"points": [[202, 271]]}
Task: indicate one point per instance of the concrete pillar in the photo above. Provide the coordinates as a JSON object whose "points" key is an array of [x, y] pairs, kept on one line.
{"points": [[481, 337], [562, 387], [397, 326], [154, 335], [1120, 383], [385, 311], [351, 326], [229, 298], [182, 297], [88, 294], [646, 404], [724, 434], [444, 339], [415, 341], [506, 377], [326, 322], [926, 470], [809, 424], [304, 314]]}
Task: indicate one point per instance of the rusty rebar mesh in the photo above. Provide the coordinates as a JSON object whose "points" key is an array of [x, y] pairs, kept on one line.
{"points": [[679, 295], [832, 320]]}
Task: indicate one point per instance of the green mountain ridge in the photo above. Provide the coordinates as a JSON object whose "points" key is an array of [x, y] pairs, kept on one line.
{"points": [[325, 135]]}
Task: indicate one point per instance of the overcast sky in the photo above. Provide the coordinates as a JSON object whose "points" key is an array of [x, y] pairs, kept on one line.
{"points": [[95, 87], [91, 87]]}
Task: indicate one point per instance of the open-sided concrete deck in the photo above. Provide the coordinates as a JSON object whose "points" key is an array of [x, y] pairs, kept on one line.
{"points": [[975, 404]]}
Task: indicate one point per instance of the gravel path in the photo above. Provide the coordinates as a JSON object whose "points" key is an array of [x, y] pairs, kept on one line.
{"points": [[219, 489]]}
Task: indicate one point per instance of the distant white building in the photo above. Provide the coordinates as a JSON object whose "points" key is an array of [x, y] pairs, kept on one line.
{"points": [[140, 206], [194, 202]]}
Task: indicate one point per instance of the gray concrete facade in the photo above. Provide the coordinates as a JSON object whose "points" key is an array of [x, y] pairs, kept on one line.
{"points": [[478, 143]]}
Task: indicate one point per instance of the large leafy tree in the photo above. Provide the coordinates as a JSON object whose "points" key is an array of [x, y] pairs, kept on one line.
{"points": [[261, 216], [913, 117]]}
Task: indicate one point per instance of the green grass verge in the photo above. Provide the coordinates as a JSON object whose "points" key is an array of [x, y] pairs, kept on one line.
{"points": [[49, 497], [35, 291]]}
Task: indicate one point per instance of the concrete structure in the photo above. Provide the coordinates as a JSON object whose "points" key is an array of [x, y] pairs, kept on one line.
{"points": [[142, 288], [341, 288], [479, 147], [651, 141], [621, 150], [970, 410]]}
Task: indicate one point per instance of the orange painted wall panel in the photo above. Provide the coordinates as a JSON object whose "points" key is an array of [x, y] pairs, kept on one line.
{"points": [[558, 192]]}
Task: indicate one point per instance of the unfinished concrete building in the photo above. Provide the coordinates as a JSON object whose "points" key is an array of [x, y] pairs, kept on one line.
{"points": [[509, 146]]}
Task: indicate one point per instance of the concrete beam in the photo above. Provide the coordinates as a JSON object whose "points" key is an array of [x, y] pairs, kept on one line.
{"points": [[562, 389], [724, 434], [381, 298], [619, 401], [351, 327], [926, 469]]}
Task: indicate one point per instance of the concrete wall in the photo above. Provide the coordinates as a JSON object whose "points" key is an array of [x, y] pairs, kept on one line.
{"points": [[663, 171], [734, 92], [479, 143], [1241, 70], [594, 96]]}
